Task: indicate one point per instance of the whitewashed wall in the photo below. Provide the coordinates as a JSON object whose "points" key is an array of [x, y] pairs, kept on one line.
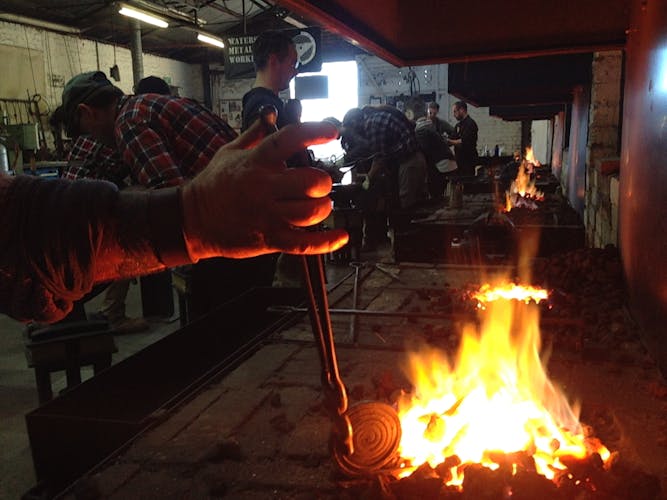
{"points": [[65, 56], [380, 79]]}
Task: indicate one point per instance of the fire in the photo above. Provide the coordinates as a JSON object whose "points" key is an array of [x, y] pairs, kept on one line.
{"points": [[509, 291], [495, 397], [530, 157], [522, 192]]}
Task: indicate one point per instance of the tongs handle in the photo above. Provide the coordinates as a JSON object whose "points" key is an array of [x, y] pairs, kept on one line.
{"points": [[318, 309]]}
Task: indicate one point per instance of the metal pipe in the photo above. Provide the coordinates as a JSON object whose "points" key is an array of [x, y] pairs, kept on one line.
{"points": [[419, 315], [137, 55], [354, 337], [38, 23]]}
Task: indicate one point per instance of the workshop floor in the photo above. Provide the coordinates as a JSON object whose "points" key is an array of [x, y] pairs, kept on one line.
{"points": [[19, 395]]}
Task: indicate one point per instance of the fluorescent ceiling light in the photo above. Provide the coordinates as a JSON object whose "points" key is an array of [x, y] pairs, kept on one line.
{"points": [[142, 16], [210, 40]]}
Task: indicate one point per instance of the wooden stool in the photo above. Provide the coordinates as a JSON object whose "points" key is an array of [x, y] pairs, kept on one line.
{"points": [[67, 346]]}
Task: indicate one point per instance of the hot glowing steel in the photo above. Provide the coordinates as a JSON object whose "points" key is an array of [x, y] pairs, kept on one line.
{"points": [[495, 397], [509, 291]]}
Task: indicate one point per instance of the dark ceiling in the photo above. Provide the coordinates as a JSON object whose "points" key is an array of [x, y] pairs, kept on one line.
{"points": [[523, 57], [99, 20], [444, 31], [401, 32], [404, 33]]}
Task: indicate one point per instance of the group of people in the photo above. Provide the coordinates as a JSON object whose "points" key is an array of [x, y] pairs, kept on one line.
{"points": [[411, 143], [169, 183], [406, 157]]}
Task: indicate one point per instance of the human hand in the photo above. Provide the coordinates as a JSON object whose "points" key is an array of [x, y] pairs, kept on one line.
{"points": [[246, 202]]}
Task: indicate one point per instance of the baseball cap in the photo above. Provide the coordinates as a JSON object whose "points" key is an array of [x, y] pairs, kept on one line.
{"points": [[81, 89]]}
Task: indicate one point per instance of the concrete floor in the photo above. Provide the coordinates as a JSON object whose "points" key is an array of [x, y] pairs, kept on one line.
{"points": [[19, 395]]}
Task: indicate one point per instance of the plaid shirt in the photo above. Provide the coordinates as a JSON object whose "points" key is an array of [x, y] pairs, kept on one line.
{"points": [[388, 133], [90, 159], [166, 139]]}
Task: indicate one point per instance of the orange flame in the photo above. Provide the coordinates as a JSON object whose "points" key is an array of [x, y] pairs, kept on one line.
{"points": [[523, 191], [494, 397], [530, 157]]}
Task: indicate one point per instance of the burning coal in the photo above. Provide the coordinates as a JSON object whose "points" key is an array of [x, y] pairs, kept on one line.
{"points": [[492, 405]]}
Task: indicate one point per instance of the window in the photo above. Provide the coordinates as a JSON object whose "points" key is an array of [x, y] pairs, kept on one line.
{"points": [[343, 95]]}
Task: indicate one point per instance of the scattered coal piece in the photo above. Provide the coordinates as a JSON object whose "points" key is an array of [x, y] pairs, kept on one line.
{"points": [[282, 424], [422, 488], [274, 400], [482, 483], [526, 485], [228, 449]]}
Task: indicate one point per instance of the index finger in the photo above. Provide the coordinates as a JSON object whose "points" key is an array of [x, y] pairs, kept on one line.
{"points": [[247, 139], [294, 138]]}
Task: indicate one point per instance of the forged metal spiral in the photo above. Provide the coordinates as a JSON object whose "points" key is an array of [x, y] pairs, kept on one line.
{"points": [[376, 434]]}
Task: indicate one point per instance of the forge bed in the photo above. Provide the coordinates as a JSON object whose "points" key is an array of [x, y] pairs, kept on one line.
{"points": [[427, 236], [260, 431]]}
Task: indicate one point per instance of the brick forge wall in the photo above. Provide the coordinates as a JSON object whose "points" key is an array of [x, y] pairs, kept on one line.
{"points": [[602, 188]]}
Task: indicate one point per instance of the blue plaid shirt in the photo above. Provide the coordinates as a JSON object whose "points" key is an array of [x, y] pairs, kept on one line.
{"points": [[388, 133]]}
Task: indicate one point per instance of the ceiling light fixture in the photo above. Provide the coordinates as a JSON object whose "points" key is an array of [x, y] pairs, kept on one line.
{"points": [[142, 16], [210, 40]]}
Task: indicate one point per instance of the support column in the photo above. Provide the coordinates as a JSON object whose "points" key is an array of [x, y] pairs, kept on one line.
{"points": [[137, 55], [206, 80]]}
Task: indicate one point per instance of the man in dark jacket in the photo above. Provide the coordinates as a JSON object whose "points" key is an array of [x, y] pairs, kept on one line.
{"points": [[464, 140], [275, 57]]}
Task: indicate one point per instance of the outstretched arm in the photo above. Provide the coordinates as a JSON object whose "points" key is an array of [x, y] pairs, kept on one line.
{"points": [[61, 237]]}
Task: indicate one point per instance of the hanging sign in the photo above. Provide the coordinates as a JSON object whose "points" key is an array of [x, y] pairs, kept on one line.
{"points": [[238, 53]]}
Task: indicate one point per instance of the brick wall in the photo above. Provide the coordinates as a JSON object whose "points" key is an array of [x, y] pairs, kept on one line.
{"points": [[601, 213]]}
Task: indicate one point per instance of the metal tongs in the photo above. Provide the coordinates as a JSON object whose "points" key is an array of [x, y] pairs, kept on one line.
{"points": [[335, 395], [366, 436]]}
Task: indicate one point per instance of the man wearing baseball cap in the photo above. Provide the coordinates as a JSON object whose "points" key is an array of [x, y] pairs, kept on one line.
{"points": [[164, 140]]}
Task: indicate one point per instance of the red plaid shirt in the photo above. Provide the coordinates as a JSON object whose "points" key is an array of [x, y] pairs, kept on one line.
{"points": [[166, 139], [90, 159]]}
